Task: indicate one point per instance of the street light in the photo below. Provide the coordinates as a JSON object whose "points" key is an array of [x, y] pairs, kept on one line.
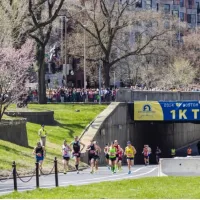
{"points": [[84, 70]]}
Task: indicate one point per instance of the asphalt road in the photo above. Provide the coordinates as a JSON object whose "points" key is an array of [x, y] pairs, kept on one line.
{"points": [[84, 177]]}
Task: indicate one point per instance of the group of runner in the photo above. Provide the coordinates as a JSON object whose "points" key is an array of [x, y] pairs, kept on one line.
{"points": [[114, 154]]}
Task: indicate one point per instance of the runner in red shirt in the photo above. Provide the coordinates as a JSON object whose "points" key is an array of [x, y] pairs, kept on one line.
{"points": [[120, 154], [146, 154]]}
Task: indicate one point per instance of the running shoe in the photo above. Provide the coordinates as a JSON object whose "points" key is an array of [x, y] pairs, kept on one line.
{"points": [[129, 172], [77, 172], [108, 167], [65, 172], [92, 172]]}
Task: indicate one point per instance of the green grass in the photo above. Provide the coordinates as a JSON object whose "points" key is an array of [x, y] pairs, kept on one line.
{"points": [[144, 188], [69, 124]]}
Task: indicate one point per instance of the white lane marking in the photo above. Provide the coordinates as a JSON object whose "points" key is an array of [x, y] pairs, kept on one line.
{"points": [[113, 179], [99, 178]]}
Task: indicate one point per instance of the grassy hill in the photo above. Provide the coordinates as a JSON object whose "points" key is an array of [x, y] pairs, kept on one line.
{"points": [[69, 123]]}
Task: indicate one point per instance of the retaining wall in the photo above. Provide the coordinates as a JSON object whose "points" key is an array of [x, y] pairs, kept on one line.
{"points": [[14, 131], [43, 117]]}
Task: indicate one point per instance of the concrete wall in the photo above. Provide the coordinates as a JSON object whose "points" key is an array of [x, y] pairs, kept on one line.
{"points": [[14, 131], [127, 95], [111, 124], [43, 117]]}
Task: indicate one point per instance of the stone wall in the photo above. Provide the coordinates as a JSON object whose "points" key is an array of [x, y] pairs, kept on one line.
{"points": [[43, 117], [14, 131]]}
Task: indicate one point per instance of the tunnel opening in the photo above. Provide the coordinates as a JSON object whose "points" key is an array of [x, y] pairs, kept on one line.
{"points": [[165, 135]]}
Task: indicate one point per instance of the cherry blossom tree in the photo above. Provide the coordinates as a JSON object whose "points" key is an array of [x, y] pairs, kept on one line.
{"points": [[15, 68]]}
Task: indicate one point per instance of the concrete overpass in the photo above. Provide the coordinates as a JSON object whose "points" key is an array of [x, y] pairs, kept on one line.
{"points": [[116, 122]]}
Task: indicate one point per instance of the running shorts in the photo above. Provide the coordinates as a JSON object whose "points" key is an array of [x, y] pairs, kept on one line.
{"points": [[117, 155], [66, 158], [113, 159], [96, 157], [78, 155], [107, 156], [91, 156], [39, 158], [147, 157], [119, 158], [130, 158]]}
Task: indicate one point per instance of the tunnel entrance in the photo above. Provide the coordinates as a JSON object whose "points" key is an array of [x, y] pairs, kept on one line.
{"points": [[165, 135]]}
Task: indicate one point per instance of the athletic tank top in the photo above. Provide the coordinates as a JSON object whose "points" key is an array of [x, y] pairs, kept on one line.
{"points": [[39, 151], [76, 147], [129, 152], [146, 152], [120, 153], [92, 149], [112, 152], [66, 151], [117, 148]]}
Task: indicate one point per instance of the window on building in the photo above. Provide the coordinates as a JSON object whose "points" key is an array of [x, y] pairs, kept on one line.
{"points": [[148, 4], [182, 16], [167, 8], [181, 3], [138, 4], [190, 4], [167, 24], [138, 37], [198, 18], [191, 18], [175, 13], [198, 8]]}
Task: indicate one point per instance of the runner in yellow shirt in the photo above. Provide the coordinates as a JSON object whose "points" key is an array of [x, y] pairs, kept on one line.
{"points": [[130, 152]]}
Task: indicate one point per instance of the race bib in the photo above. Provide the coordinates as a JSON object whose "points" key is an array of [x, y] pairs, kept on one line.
{"points": [[39, 154]]}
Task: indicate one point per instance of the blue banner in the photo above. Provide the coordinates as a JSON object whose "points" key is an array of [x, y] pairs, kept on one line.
{"points": [[166, 111]]}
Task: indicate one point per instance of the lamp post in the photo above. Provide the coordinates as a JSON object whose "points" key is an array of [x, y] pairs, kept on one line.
{"points": [[99, 82], [84, 68]]}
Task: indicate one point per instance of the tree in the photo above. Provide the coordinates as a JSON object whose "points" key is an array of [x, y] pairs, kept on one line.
{"points": [[33, 18], [115, 30], [14, 74]]}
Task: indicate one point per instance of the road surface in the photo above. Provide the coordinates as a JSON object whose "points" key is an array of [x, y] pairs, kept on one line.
{"points": [[72, 178]]}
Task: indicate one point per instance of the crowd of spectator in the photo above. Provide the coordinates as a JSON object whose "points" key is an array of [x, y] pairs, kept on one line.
{"points": [[63, 94], [191, 88], [75, 95]]}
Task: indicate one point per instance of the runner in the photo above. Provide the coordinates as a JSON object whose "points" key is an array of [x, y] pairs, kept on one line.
{"points": [[149, 153], [97, 153], [66, 156], [112, 157], [77, 151], [120, 153], [146, 154], [116, 145], [39, 152], [42, 134], [158, 153], [130, 152], [106, 150], [91, 149]]}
